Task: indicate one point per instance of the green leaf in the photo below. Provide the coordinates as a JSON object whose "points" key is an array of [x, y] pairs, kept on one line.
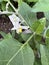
{"points": [[19, 2], [13, 52], [4, 0], [47, 15], [32, 0], [39, 26], [25, 11], [1, 0], [25, 36], [3, 34], [37, 62], [46, 33], [41, 6], [44, 57], [3, 5]]}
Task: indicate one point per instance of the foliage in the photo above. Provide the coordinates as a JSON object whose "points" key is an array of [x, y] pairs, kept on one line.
{"points": [[26, 48]]}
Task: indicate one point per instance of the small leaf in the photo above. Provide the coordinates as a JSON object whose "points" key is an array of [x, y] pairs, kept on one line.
{"points": [[46, 33], [39, 26]]}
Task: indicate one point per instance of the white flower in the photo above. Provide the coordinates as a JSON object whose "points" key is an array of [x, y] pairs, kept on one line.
{"points": [[17, 26], [27, 31]]}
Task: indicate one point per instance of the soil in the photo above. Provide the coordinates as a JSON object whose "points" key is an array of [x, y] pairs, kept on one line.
{"points": [[5, 24], [40, 15]]}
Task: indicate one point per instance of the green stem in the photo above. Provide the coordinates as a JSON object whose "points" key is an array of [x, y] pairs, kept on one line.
{"points": [[27, 40], [30, 38], [16, 10]]}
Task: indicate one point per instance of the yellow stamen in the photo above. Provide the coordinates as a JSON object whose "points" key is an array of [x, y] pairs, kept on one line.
{"points": [[19, 30]]}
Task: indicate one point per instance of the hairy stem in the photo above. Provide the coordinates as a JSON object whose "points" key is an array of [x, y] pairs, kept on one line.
{"points": [[16, 10]]}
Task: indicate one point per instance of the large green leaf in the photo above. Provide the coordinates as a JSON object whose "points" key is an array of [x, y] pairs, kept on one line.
{"points": [[41, 6], [25, 11], [13, 52], [44, 57]]}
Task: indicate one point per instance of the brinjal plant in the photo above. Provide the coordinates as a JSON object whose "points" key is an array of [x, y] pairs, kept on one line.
{"points": [[24, 32]]}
